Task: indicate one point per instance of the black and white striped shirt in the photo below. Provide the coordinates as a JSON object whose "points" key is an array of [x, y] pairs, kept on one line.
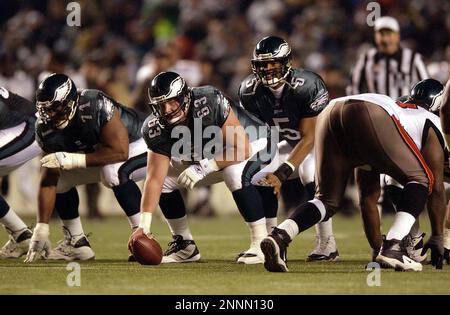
{"points": [[390, 75]]}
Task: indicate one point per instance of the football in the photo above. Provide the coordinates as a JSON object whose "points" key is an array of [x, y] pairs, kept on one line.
{"points": [[146, 250]]}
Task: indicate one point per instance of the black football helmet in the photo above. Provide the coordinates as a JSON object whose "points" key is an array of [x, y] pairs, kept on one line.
{"points": [[271, 49], [164, 87], [427, 93], [56, 100]]}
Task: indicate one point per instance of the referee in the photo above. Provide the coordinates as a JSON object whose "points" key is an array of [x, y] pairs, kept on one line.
{"points": [[389, 68]]}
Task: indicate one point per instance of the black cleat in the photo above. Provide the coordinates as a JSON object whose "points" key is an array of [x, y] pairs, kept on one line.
{"points": [[180, 251], [274, 248]]}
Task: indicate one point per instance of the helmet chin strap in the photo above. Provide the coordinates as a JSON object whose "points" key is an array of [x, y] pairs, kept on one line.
{"points": [[63, 125]]}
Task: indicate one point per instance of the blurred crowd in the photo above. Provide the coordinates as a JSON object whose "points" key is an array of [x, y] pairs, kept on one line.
{"points": [[121, 44]]}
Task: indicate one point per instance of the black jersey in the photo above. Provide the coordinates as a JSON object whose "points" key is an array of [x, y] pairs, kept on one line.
{"points": [[304, 95], [83, 133], [14, 109], [208, 107]]}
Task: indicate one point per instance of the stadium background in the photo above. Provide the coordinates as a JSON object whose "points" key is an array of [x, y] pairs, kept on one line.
{"points": [[122, 44]]}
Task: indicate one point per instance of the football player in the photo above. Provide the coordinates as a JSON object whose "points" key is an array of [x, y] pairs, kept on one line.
{"points": [[17, 146], [418, 109], [445, 122], [87, 137], [366, 131], [289, 99], [194, 112]]}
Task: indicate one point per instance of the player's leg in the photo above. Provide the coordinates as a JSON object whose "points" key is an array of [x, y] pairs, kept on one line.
{"points": [[19, 233], [326, 249], [75, 244], [17, 146], [414, 241], [330, 190], [249, 199], [122, 178], [447, 235], [182, 248], [395, 154]]}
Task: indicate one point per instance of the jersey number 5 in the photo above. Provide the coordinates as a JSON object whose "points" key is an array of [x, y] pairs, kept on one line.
{"points": [[286, 133]]}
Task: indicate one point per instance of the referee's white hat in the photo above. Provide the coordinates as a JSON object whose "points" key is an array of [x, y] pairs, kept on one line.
{"points": [[386, 22]]}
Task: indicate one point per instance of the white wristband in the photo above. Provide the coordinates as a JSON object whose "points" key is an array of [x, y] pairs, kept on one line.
{"points": [[209, 166], [42, 230], [213, 165], [145, 222], [79, 160]]}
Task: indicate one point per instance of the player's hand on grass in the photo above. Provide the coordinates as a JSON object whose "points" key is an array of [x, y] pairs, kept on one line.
{"points": [[447, 255], [64, 160], [40, 245], [435, 244]]}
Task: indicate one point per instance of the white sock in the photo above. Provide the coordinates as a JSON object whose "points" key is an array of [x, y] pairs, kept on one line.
{"points": [[258, 231], [290, 226], [403, 222], [12, 221], [324, 229], [134, 220], [447, 238], [180, 227], [74, 226], [270, 224], [415, 229]]}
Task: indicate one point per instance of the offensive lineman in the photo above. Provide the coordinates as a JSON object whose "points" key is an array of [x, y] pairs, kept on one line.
{"points": [[176, 107], [91, 138]]}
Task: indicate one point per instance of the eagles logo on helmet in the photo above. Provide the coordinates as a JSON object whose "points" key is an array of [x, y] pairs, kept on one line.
{"points": [[271, 60], [168, 86], [57, 100]]}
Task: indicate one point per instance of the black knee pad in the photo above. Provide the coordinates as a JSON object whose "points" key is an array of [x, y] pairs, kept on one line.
{"points": [[249, 203], [128, 196], [172, 205], [66, 204], [413, 199], [269, 201]]}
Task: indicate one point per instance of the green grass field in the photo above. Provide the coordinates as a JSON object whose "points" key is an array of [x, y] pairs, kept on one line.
{"points": [[219, 241]]}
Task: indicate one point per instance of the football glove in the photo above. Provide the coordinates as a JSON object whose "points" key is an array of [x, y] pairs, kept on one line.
{"points": [[40, 245], [64, 160], [196, 172], [435, 244]]}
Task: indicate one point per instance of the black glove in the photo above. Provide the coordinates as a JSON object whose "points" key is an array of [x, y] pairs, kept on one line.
{"points": [[435, 244]]}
